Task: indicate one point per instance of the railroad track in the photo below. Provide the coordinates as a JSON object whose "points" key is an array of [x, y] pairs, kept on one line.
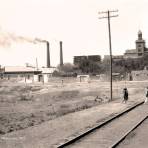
{"points": [[126, 134], [89, 136]]}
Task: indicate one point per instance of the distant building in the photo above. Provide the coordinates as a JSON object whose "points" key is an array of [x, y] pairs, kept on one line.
{"points": [[93, 58], [31, 74], [131, 53], [21, 71], [114, 57], [139, 75], [140, 50], [78, 59], [46, 73]]}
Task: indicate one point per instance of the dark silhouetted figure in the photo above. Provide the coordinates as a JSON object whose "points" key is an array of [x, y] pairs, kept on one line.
{"points": [[146, 95], [125, 95]]}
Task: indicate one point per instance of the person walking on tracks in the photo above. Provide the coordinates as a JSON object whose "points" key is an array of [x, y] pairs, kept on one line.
{"points": [[125, 95], [146, 95]]}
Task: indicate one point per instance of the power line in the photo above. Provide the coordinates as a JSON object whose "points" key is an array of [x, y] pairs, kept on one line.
{"points": [[110, 45]]}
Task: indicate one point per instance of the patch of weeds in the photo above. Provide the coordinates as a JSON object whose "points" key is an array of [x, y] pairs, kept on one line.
{"points": [[64, 106], [36, 88], [70, 94], [2, 132], [26, 97]]}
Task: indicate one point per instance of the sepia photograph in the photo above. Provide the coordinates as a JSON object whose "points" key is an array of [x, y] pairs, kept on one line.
{"points": [[73, 74]]}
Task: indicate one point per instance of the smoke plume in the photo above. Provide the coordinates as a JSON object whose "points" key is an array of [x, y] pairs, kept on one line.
{"points": [[6, 39], [40, 40]]}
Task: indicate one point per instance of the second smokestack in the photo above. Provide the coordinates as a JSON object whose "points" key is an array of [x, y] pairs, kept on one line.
{"points": [[61, 54], [48, 55]]}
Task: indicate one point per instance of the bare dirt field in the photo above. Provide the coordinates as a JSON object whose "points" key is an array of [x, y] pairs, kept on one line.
{"points": [[23, 105]]}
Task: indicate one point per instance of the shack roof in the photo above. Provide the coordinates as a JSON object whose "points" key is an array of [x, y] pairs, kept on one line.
{"points": [[19, 69]]}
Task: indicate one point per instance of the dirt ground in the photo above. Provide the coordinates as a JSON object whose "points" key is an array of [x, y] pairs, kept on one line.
{"points": [[26, 104]]}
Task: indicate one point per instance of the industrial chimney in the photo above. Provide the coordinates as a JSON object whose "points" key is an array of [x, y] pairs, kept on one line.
{"points": [[48, 55], [61, 54]]}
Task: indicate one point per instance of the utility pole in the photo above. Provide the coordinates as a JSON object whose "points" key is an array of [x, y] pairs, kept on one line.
{"points": [[110, 45]]}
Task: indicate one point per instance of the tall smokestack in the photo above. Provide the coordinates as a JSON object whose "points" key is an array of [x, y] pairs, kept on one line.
{"points": [[61, 54], [37, 64], [48, 55]]}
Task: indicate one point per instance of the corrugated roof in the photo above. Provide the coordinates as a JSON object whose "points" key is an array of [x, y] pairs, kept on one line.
{"points": [[19, 69]]}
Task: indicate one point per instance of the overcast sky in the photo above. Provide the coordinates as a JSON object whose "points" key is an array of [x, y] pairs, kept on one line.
{"points": [[75, 22]]}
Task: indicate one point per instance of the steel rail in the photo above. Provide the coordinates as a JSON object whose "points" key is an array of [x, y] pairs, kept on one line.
{"points": [[71, 141], [126, 134]]}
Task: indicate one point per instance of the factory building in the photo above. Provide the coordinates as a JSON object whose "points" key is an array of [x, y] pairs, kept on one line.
{"points": [[94, 58], [19, 72], [30, 74], [15, 71]]}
